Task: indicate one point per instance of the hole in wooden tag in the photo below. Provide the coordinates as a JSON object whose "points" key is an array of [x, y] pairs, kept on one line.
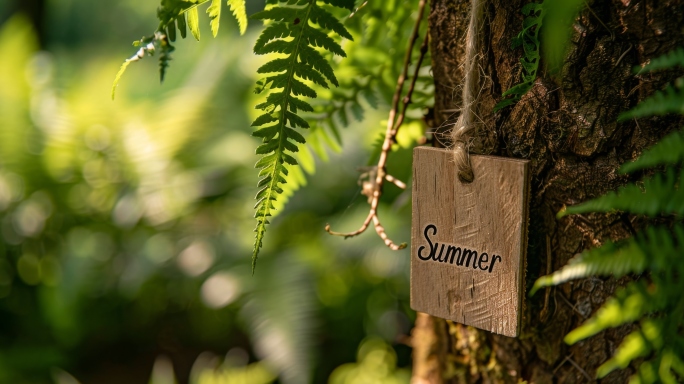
{"points": [[468, 240]]}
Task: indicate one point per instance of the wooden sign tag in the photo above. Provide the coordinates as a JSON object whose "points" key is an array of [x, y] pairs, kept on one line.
{"points": [[469, 240]]}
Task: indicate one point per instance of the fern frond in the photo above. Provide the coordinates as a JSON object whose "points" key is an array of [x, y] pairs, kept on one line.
{"points": [[666, 367], [669, 60], [669, 150], [633, 346], [629, 304], [165, 50], [288, 79], [660, 194], [610, 259], [654, 248], [670, 100]]}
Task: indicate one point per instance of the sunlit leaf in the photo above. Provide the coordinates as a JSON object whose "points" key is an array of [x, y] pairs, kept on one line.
{"points": [[193, 22], [240, 12]]}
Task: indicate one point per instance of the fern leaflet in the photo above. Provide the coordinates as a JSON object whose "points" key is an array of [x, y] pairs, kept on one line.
{"points": [[670, 100], [667, 61], [287, 80], [629, 304], [610, 259], [240, 13], [669, 150]]}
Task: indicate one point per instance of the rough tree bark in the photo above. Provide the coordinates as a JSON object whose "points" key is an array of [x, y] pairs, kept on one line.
{"points": [[567, 126]]}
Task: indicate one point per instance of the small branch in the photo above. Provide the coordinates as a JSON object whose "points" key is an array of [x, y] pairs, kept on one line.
{"points": [[373, 188], [396, 182]]}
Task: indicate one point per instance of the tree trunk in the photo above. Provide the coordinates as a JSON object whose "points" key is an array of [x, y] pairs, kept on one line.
{"points": [[567, 126]]}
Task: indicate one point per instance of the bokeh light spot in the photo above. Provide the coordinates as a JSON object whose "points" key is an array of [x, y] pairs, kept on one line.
{"points": [[220, 290]]}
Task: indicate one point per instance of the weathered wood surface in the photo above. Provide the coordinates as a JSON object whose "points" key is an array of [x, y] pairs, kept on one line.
{"points": [[469, 240]]}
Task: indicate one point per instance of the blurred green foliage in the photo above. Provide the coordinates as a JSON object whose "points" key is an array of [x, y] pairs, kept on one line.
{"points": [[376, 364], [125, 227]]}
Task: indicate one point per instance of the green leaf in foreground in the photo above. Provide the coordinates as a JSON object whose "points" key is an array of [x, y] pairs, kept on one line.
{"points": [[193, 22], [214, 12], [293, 34], [240, 13]]}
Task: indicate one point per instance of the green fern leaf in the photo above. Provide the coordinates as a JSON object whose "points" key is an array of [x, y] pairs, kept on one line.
{"points": [[307, 72], [671, 100], [606, 260], [667, 61], [357, 111], [171, 30], [193, 22], [342, 116], [653, 248], [240, 12], [278, 46], [660, 369], [272, 32], [182, 26], [633, 346], [370, 97], [327, 21], [312, 57], [659, 194], [302, 62], [669, 150], [298, 104], [277, 65], [214, 12], [628, 305], [317, 38], [165, 56]]}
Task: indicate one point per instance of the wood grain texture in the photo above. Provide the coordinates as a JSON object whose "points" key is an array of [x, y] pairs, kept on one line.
{"points": [[487, 216]]}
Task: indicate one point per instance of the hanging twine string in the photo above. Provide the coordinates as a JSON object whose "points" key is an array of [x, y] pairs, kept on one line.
{"points": [[465, 122]]}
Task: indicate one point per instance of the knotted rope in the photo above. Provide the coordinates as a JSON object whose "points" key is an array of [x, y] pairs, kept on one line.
{"points": [[465, 122]]}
